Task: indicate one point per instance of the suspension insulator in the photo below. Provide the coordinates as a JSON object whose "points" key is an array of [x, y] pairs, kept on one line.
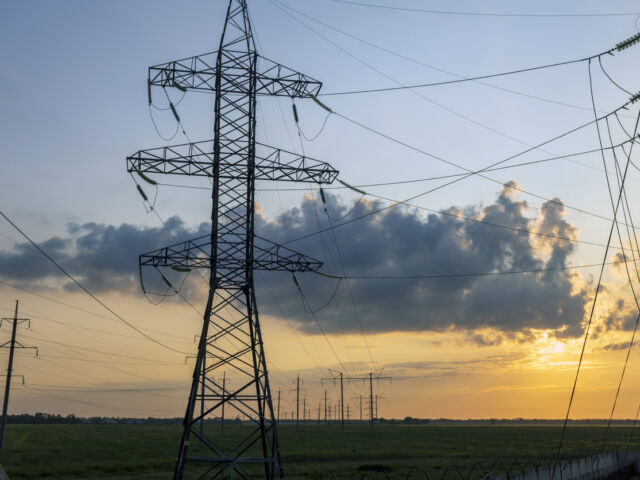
{"points": [[629, 42], [149, 91], [146, 179], [175, 112], [324, 200], [180, 269], [295, 113], [166, 280], [144, 195], [179, 87], [315, 99]]}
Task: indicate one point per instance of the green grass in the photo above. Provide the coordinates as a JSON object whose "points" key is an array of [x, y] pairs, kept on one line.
{"points": [[145, 452]]}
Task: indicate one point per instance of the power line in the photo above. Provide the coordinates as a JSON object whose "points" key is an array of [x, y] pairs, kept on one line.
{"points": [[360, 60], [430, 155], [74, 307], [430, 84], [432, 67], [439, 177], [499, 225], [85, 289], [463, 275], [620, 46], [624, 204], [486, 14], [615, 207]]}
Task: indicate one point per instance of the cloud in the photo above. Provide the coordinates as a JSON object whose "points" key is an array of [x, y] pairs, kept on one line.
{"points": [[444, 368], [103, 257], [616, 346], [399, 241]]}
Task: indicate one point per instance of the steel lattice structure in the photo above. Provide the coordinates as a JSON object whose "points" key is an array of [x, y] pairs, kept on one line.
{"points": [[231, 336]]}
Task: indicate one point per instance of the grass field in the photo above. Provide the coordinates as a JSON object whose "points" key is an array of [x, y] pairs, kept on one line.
{"points": [[145, 452]]}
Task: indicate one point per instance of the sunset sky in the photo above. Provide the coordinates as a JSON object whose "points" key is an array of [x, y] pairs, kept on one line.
{"points": [[74, 104]]}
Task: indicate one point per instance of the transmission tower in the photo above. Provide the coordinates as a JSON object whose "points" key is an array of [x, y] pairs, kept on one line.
{"points": [[231, 337]]}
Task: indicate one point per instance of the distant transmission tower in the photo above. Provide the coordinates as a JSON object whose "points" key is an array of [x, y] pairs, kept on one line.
{"points": [[231, 337]]}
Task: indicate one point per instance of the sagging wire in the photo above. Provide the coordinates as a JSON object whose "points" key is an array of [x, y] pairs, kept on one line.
{"points": [[353, 209], [172, 107], [625, 208], [179, 87], [175, 112], [335, 242], [606, 74], [615, 205], [297, 119], [170, 286], [318, 324], [305, 303]]}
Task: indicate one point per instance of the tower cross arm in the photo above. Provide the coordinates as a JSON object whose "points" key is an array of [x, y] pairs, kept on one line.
{"points": [[197, 159], [277, 80], [195, 253], [199, 73], [191, 73]]}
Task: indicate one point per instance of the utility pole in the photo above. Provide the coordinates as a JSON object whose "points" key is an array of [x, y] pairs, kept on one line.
{"points": [[234, 161], [378, 397], [304, 409], [298, 403], [371, 377], [297, 390], [371, 397], [12, 345], [348, 414], [319, 408], [325, 406], [335, 375], [278, 414]]}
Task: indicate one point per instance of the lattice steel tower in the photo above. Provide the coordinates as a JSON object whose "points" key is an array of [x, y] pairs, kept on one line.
{"points": [[231, 337]]}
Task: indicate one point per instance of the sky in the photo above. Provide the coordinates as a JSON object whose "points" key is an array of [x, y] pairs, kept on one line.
{"points": [[74, 104]]}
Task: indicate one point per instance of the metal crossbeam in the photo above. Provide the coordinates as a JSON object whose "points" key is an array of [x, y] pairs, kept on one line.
{"points": [[195, 253], [197, 159], [199, 74]]}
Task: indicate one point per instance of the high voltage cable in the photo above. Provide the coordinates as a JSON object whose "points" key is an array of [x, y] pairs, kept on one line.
{"points": [[74, 307], [615, 207], [41, 392], [425, 153], [437, 177], [440, 105], [620, 46], [486, 14], [465, 275], [85, 289], [493, 224], [67, 324], [449, 82], [624, 204], [418, 62]]}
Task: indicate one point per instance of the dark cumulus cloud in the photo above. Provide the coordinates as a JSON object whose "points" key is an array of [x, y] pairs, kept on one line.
{"points": [[399, 241], [103, 257]]}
